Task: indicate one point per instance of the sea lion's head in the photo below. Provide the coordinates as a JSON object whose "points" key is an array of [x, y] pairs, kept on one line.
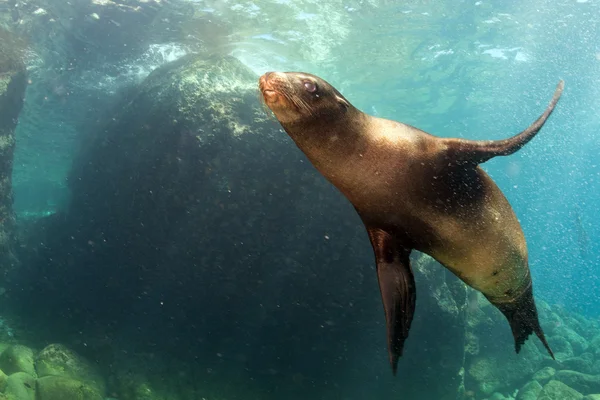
{"points": [[298, 97]]}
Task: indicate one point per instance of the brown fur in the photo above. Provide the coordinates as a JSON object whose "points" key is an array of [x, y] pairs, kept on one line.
{"points": [[421, 191]]}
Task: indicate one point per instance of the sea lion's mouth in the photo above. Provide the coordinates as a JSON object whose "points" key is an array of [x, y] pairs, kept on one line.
{"points": [[270, 95], [277, 94]]}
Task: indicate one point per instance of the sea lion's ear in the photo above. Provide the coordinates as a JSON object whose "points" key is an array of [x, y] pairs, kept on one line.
{"points": [[342, 101]]}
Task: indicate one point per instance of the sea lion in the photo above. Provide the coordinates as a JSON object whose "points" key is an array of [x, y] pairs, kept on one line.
{"points": [[414, 190]]}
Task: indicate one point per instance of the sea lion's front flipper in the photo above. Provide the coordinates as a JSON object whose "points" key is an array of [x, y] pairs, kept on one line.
{"points": [[479, 151], [522, 316], [398, 291]]}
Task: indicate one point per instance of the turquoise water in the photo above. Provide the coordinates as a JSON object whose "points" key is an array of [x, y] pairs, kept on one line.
{"points": [[471, 69], [481, 70]]}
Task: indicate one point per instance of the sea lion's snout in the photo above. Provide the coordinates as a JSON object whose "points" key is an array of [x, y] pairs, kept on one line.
{"points": [[298, 96], [278, 94], [270, 85]]}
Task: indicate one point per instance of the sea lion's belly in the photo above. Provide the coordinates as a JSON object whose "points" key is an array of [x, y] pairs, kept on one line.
{"points": [[485, 257], [480, 240]]}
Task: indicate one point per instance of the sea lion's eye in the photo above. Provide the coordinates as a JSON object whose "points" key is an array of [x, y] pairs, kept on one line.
{"points": [[311, 87]]}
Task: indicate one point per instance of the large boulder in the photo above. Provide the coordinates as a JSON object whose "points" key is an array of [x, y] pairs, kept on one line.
{"points": [[59, 360], [530, 391], [202, 228], [20, 386], [13, 82], [61, 388], [555, 390], [491, 363], [584, 383], [17, 358], [442, 301]]}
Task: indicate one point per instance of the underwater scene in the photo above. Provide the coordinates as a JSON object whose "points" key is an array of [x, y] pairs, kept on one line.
{"points": [[299, 200]]}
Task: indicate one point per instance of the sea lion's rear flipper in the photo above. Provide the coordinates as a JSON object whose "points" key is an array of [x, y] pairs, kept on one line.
{"points": [[398, 291], [523, 319], [479, 151]]}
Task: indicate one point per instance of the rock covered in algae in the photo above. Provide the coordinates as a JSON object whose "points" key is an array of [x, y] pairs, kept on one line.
{"points": [[555, 390], [592, 397], [12, 91], [62, 388], [442, 301], [529, 391], [544, 375], [3, 379], [135, 386], [17, 358], [584, 383], [183, 172], [20, 386], [496, 367], [60, 361], [583, 363]]}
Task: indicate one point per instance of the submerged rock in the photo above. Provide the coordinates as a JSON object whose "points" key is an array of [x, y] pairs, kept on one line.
{"points": [[13, 82], [530, 391], [188, 184], [17, 358], [544, 375], [578, 343], [595, 345], [136, 387], [592, 397], [562, 348], [498, 396], [582, 382], [20, 386], [62, 388], [442, 302], [583, 363], [555, 390], [3, 379], [58, 360]]}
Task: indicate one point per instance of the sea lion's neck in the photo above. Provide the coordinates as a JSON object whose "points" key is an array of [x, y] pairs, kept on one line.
{"points": [[328, 143]]}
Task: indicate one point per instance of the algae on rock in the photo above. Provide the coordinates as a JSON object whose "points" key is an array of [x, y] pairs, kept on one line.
{"points": [[530, 391], [62, 388], [59, 360], [17, 358], [555, 390], [20, 386], [581, 382], [13, 82]]}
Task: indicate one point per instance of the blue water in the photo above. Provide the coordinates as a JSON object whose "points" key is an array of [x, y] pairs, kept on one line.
{"points": [[473, 69]]}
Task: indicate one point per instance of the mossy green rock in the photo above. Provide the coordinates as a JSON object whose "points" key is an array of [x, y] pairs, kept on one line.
{"points": [[20, 386], [582, 382], [3, 379], [492, 374], [562, 347], [592, 397], [578, 343], [544, 375], [583, 363], [555, 390], [59, 360], [17, 358], [530, 391], [135, 387], [595, 344], [61, 388], [13, 82]]}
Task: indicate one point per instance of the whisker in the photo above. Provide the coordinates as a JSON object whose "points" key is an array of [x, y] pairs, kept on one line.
{"points": [[270, 114]]}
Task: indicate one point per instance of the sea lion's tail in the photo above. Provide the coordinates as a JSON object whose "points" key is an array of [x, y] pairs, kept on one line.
{"points": [[523, 319], [480, 151]]}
